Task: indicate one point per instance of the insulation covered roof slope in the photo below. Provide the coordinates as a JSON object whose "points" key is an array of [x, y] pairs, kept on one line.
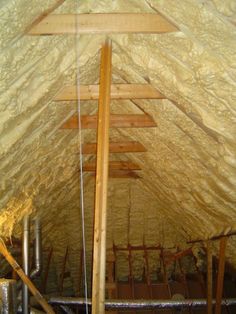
{"points": [[187, 189]]}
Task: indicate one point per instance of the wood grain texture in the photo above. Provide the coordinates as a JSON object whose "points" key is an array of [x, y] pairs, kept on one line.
{"points": [[102, 23], [100, 213], [116, 121], [116, 147], [113, 165], [118, 91]]}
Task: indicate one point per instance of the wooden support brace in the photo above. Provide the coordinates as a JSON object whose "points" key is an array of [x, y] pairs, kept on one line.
{"points": [[45, 278], [118, 91], [116, 121], [116, 147], [209, 277], [113, 165], [98, 23], [62, 276], [99, 243], [39, 298], [220, 277]]}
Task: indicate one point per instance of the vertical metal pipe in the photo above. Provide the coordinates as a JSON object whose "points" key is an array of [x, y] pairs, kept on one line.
{"points": [[37, 249], [25, 258], [8, 296]]}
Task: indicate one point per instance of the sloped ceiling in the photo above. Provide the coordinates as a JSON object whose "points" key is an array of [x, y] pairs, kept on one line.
{"points": [[187, 189]]}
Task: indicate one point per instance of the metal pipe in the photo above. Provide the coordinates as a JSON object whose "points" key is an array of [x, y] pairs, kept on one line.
{"points": [[25, 258], [141, 304], [8, 296], [66, 309], [37, 249]]}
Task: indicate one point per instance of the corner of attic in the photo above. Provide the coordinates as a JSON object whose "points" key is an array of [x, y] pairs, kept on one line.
{"points": [[170, 196]]}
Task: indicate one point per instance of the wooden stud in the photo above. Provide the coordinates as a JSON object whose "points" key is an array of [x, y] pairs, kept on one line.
{"points": [[209, 277], [99, 243], [115, 147], [118, 91], [116, 121], [39, 298], [45, 278], [102, 23], [113, 165], [62, 276], [220, 277]]}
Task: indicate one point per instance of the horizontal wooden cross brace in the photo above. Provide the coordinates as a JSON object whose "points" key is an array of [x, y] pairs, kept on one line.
{"points": [[113, 165], [98, 23], [116, 121], [118, 91], [121, 174], [115, 147]]}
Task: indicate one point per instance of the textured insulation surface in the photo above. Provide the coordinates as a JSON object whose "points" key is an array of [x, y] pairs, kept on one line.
{"points": [[188, 174]]}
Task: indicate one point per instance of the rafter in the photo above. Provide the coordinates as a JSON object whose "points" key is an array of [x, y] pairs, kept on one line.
{"points": [[116, 121], [118, 91], [108, 23], [113, 165], [116, 147]]}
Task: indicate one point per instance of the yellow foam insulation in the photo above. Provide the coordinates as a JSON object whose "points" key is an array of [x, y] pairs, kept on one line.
{"points": [[187, 189]]}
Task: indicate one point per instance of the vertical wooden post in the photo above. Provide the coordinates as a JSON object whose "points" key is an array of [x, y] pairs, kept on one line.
{"points": [[45, 278], [99, 242], [63, 271], [209, 277], [220, 276]]}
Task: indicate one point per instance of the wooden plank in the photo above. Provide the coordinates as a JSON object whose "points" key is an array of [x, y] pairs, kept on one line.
{"points": [[62, 276], [116, 121], [103, 23], [38, 297], [220, 276], [115, 147], [100, 213], [113, 165], [178, 255], [45, 277], [121, 174], [118, 91], [209, 277]]}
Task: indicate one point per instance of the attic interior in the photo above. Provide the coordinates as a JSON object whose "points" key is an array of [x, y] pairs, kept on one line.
{"points": [[117, 156]]}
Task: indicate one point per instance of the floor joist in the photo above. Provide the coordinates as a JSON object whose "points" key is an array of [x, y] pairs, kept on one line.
{"points": [[116, 121], [113, 165], [98, 23], [115, 147], [118, 91]]}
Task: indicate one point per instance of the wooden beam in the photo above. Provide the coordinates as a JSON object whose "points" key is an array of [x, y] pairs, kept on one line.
{"points": [[45, 277], [209, 277], [113, 165], [178, 255], [116, 121], [213, 238], [38, 297], [102, 23], [122, 174], [220, 276], [118, 91], [62, 276], [99, 242], [115, 147]]}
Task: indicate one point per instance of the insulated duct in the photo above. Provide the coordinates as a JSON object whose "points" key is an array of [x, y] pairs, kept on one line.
{"points": [[8, 296], [37, 249], [141, 304]]}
